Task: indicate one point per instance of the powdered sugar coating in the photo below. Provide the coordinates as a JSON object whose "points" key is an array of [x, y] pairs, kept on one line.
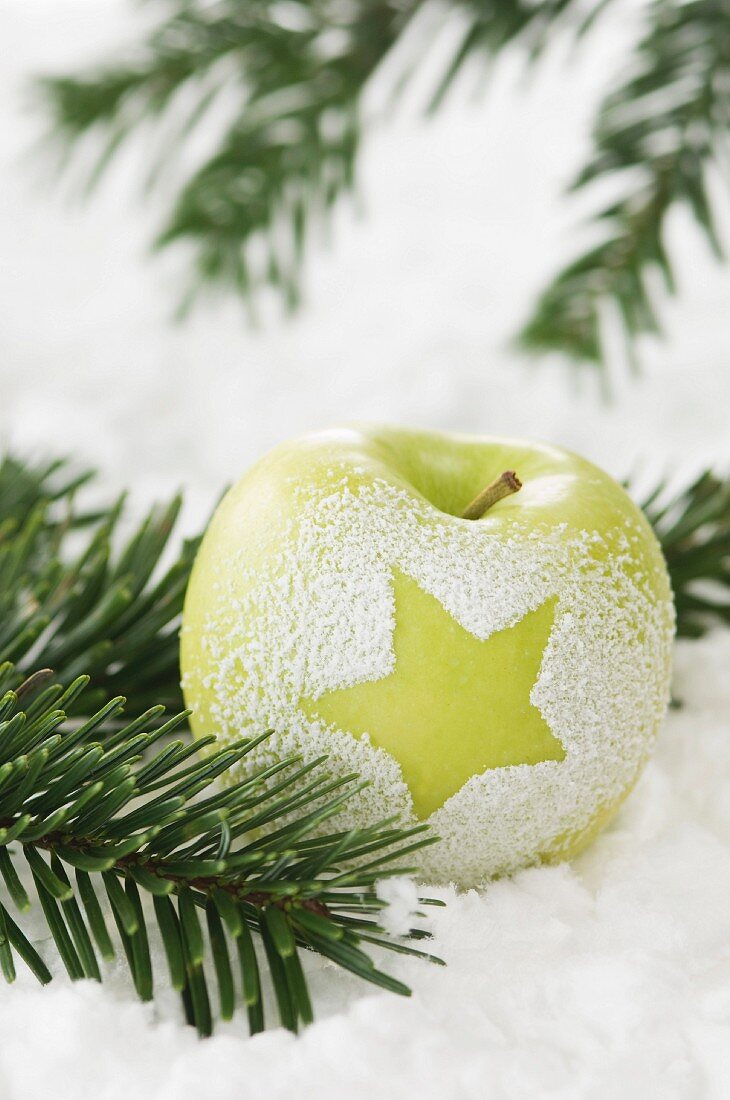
{"points": [[317, 614]]}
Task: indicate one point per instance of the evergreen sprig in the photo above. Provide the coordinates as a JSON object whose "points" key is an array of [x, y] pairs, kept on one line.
{"points": [[102, 812], [131, 822], [291, 77], [660, 129], [25, 486], [295, 73], [99, 612], [693, 527]]}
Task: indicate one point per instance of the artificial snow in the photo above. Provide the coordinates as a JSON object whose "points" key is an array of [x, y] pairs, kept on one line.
{"points": [[401, 897], [606, 977]]}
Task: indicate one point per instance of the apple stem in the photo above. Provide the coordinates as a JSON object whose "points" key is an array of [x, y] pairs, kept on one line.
{"points": [[502, 486]]}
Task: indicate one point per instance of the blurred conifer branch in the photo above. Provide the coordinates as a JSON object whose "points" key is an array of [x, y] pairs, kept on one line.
{"points": [[693, 527], [292, 75], [662, 128], [296, 72]]}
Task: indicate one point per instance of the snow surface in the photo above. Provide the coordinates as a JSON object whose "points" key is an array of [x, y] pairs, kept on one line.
{"points": [[609, 977]]}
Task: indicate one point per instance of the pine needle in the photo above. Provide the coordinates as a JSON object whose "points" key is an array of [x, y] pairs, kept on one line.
{"points": [[661, 129], [86, 857], [693, 527]]}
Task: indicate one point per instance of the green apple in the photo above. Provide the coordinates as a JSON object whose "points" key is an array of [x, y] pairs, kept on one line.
{"points": [[498, 666]]}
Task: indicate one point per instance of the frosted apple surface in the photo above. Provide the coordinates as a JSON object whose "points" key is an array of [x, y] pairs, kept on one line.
{"points": [[504, 678]]}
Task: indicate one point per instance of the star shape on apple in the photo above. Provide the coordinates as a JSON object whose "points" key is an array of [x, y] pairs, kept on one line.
{"points": [[448, 685]]}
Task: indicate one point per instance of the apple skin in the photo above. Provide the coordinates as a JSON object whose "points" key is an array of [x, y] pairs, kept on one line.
{"points": [[302, 614]]}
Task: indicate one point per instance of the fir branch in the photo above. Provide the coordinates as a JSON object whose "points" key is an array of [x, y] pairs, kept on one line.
{"points": [[108, 822], [296, 74], [693, 527], [291, 150], [25, 486], [96, 612], [662, 127]]}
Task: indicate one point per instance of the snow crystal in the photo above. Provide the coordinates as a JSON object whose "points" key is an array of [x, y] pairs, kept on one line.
{"points": [[401, 896]]}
